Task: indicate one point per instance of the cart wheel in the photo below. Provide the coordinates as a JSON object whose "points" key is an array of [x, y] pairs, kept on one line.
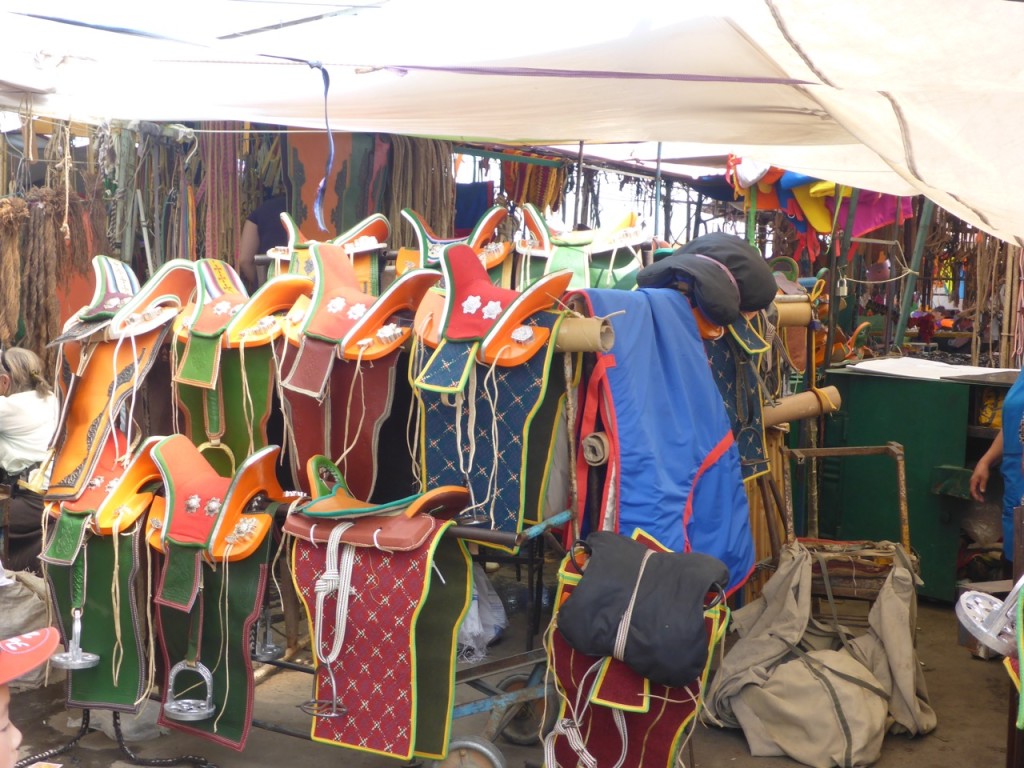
{"points": [[471, 752], [524, 726]]}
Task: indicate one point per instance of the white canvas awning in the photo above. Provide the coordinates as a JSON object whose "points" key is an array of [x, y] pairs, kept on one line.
{"points": [[916, 97]]}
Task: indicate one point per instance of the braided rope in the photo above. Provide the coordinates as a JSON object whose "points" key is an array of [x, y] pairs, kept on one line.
{"points": [[13, 214]]}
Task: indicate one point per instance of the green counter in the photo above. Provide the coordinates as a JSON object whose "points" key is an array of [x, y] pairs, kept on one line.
{"points": [[932, 420]]}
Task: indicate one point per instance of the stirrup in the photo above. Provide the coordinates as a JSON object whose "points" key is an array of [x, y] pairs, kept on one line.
{"points": [[325, 707], [266, 650], [74, 657], [189, 709], [472, 517]]}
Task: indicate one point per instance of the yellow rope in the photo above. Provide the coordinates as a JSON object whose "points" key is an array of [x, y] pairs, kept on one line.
{"points": [[348, 412], [151, 642], [117, 656]]}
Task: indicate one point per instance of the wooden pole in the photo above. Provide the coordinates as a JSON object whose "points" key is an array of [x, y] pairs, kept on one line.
{"points": [[833, 262], [579, 186], [979, 265], [657, 191], [1018, 318], [924, 223], [1009, 294]]}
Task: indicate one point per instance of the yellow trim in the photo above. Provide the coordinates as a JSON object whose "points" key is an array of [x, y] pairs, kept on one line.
{"points": [[1013, 675], [759, 351], [470, 361], [562, 400], [645, 704], [526, 431], [467, 599], [421, 412]]}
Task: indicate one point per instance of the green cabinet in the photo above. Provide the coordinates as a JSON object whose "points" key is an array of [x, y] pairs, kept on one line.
{"points": [[858, 498]]}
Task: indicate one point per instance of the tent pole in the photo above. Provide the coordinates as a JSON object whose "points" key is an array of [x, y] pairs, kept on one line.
{"points": [[752, 215], [579, 187], [924, 223], [1009, 294], [833, 268], [657, 191]]}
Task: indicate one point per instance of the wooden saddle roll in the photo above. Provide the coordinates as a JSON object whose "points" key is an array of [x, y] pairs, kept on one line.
{"points": [[340, 357], [385, 591], [210, 536], [481, 372]]}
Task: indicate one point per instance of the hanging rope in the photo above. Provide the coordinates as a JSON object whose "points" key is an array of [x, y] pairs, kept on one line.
{"points": [[218, 199], [13, 214], [421, 179], [39, 309]]}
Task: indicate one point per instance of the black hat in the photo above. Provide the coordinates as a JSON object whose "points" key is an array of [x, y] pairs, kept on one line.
{"points": [[753, 275]]}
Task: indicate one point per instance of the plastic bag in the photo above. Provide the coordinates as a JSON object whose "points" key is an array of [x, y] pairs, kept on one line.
{"points": [[485, 621], [492, 611]]}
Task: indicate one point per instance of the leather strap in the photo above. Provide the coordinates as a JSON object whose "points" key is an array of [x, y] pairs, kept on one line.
{"points": [[66, 541]]}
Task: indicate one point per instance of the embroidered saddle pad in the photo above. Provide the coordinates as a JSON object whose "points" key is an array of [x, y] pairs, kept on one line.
{"points": [[105, 356], [224, 370], [735, 358], [384, 625], [92, 570], [481, 372]]}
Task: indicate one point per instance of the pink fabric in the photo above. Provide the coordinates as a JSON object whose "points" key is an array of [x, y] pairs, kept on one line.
{"points": [[874, 210]]}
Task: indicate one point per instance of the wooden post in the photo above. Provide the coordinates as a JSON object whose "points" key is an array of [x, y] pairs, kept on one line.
{"points": [[657, 192], [834, 250], [579, 187], [924, 223], [1009, 297]]}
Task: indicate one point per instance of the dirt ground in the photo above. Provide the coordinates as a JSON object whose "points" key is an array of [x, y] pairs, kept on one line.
{"points": [[970, 696]]}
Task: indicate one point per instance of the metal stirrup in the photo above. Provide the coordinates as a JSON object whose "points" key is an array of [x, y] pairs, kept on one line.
{"points": [[74, 657], [189, 709]]}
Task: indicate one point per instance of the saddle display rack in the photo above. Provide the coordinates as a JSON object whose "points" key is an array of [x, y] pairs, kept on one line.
{"points": [[159, 549], [488, 416]]}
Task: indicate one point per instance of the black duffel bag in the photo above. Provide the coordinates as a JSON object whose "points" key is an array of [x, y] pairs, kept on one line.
{"points": [[664, 594]]}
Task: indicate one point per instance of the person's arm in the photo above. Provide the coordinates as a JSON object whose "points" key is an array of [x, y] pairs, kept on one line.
{"points": [[247, 247], [979, 478]]}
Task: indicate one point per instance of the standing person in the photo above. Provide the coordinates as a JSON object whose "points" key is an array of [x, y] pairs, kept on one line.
{"points": [[18, 656], [1007, 452], [261, 231], [28, 418]]}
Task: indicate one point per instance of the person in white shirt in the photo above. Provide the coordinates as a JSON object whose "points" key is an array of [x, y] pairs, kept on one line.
{"points": [[29, 412]]}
